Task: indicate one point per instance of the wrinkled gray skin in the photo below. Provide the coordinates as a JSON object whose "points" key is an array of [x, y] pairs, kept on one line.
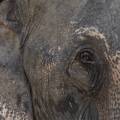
{"points": [[14, 94], [70, 57]]}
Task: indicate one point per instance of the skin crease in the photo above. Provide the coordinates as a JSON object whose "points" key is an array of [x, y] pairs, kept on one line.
{"points": [[61, 84], [69, 68]]}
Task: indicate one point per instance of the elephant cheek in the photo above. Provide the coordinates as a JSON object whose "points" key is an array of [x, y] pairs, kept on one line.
{"points": [[114, 88], [109, 105]]}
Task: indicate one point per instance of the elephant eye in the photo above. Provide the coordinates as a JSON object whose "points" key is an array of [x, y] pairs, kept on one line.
{"points": [[86, 56]]}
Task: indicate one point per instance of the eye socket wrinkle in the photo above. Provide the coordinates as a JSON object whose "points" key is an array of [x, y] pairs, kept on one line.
{"points": [[87, 60]]}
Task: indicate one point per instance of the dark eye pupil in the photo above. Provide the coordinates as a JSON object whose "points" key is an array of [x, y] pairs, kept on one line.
{"points": [[86, 57]]}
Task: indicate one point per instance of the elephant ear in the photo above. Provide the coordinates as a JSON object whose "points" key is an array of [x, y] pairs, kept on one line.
{"points": [[18, 18], [17, 15], [22, 15], [11, 17]]}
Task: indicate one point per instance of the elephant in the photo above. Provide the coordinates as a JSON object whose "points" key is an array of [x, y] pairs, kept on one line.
{"points": [[69, 57]]}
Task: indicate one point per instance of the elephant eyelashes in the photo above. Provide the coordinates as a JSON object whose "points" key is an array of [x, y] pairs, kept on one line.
{"points": [[86, 56]]}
